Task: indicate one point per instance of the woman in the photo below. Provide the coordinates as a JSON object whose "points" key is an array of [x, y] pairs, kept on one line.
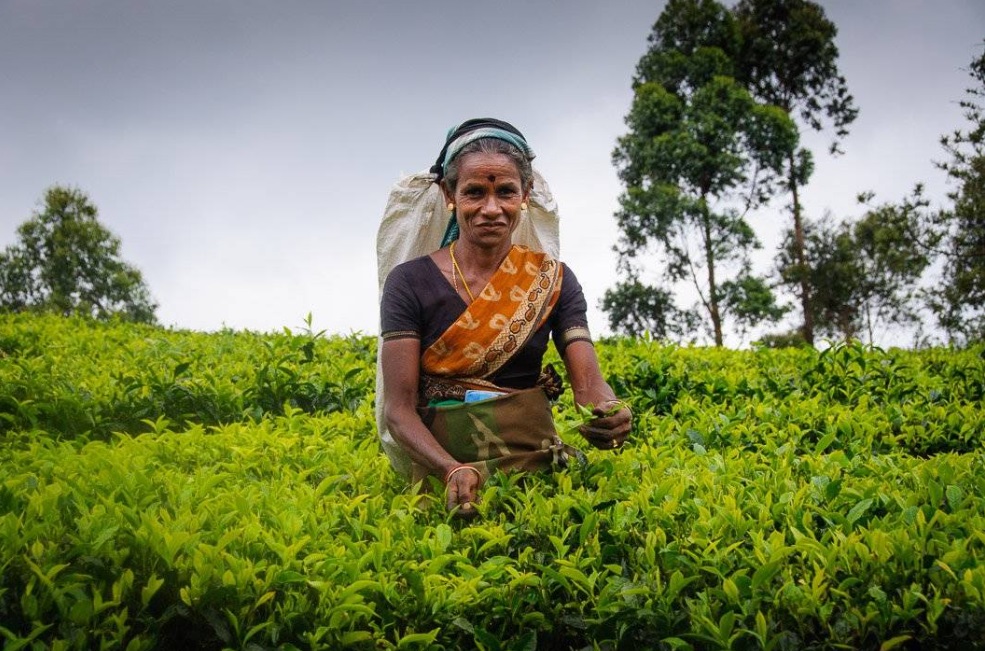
{"points": [[476, 315]]}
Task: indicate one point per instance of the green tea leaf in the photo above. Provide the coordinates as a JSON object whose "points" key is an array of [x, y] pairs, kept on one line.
{"points": [[825, 441], [417, 639], [356, 637], [858, 510], [894, 642], [148, 591], [955, 495]]}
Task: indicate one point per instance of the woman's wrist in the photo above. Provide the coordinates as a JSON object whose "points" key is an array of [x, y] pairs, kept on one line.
{"points": [[464, 467]]}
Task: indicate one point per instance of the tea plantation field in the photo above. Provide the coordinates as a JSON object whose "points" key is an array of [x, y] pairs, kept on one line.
{"points": [[177, 490]]}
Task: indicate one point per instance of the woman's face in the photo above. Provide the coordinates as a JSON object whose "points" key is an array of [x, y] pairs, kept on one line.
{"points": [[487, 198]]}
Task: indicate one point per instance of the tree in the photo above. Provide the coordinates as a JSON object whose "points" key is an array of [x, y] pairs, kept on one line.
{"points": [[960, 306], [788, 58], [864, 276], [635, 308], [829, 267], [66, 262], [699, 154], [751, 301]]}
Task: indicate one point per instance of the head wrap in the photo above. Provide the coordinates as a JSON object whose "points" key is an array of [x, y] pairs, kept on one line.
{"points": [[475, 129], [465, 133]]}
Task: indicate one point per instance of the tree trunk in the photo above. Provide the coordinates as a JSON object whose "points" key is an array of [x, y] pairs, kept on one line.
{"points": [[716, 317], [798, 233]]}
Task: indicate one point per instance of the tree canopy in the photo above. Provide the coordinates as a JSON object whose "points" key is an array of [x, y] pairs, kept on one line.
{"points": [[65, 261]]}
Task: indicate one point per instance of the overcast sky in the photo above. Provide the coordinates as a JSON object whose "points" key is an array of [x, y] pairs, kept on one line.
{"points": [[243, 150]]}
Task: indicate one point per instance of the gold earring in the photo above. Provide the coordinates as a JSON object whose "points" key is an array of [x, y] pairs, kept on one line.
{"points": [[451, 206], [523, 206]]}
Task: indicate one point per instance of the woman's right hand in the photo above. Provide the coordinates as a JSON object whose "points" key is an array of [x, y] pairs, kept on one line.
{"points": [[611, 425], [462, 491]]}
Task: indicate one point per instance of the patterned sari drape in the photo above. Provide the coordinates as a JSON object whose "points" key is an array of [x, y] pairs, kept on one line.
{"points": [[517, 300]]}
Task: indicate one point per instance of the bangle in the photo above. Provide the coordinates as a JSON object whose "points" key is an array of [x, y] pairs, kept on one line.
{"points": [[452, 472]]}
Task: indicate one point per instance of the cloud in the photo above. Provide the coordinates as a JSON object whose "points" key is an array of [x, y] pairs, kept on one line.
{"points": [[244, 151]]}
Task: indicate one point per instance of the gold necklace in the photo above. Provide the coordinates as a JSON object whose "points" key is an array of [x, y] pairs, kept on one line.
{"points": [[455, 267]]}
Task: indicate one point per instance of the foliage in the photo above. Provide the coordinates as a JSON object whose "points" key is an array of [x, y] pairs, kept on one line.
{"points": [[635, 309], [960, 306], [751, 301], [699, 153], [788, 339], [864, 275], [79, 379], [788, 58], [67, 262], [767, 499]]}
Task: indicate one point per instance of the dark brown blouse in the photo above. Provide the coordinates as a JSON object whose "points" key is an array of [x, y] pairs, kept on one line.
{"points": [[419, 302]]}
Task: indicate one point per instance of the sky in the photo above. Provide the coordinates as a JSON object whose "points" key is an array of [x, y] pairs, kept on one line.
{"points": [[243, 151]]}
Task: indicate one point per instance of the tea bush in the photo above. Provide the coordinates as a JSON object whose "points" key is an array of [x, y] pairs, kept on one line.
{"points": [[163, 489]]}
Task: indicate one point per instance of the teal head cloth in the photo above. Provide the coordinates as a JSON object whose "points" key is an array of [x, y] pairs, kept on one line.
{"points": [[465, 133]]}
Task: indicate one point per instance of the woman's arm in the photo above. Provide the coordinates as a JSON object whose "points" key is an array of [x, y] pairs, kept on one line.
{"points": [[589, 387], [400, 359]]}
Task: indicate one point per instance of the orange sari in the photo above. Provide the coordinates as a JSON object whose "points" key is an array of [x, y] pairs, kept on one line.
{"points": [[499, 322]]}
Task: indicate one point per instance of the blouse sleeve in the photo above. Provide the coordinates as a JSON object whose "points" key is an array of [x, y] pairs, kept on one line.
{"points": [[570, 313], [400, 308]]}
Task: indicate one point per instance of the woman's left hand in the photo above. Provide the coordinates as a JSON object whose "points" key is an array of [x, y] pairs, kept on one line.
{"points": [[610, 428]]}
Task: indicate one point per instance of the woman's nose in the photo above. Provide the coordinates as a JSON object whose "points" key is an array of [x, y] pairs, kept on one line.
{"points": [[491, 206]]}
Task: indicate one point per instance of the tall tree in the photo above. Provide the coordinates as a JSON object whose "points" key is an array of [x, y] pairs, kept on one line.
{"points": [[66, 261], [788, 58], [960, 306], [699, 154]]}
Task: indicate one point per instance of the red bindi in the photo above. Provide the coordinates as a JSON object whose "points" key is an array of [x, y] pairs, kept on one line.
{"points": [[492, 178]]}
